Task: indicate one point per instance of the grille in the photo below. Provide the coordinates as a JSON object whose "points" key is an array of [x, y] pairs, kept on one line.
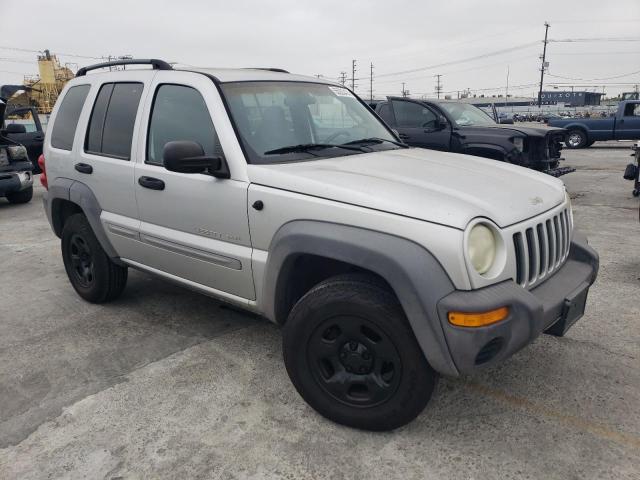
{"points": [[541, 248]]}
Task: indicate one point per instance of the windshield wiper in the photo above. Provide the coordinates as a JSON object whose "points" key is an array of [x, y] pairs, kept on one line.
{"points": [[375, 140], [306, 147]]}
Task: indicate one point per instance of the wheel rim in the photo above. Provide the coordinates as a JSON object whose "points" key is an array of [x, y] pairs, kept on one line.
{"points": [[81, 260], [354, 361], [575, 139]]}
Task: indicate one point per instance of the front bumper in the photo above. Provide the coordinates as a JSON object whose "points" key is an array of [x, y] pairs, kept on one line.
{"points": [[14, 181], [543, 308]]}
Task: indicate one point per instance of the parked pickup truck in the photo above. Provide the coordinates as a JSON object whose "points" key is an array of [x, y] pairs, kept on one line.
{"points": [[584, 132], [458, 127]]}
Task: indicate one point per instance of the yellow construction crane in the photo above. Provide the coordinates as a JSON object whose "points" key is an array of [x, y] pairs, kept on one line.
{"points": [[42, 90]]}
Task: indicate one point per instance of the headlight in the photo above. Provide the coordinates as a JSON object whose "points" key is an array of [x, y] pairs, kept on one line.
{"points": [[481, 247], [17, 152], [518, 142]]}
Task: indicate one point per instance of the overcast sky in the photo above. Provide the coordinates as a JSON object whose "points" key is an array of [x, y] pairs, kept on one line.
{"points": [[322, 37]]}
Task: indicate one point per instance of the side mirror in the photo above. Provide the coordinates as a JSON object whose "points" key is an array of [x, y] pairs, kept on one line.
{"points": [[184, 156], [16, 128], [442, 123], [506, 121]]}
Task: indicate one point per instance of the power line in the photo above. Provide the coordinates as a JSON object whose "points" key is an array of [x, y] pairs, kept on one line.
{"points": [[594, 79], [596, 39], [462, 60], [17, 49]]}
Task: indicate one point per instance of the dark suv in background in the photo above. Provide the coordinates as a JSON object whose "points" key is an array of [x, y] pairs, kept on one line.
{"points": [[16, 178], [458, 127]]}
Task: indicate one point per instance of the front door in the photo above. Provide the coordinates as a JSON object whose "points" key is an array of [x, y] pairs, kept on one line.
{"points": [[628, 127], [193, 226], [26, 129], [418, 125]]}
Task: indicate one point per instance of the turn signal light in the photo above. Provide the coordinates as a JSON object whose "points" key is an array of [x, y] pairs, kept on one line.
{"points": [[478, 319]]}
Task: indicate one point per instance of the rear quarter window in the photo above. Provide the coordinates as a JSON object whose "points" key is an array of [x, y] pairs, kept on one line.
{"points": [[66, 121]]}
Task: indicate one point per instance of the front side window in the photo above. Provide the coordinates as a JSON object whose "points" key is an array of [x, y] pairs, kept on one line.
{"points": [[273, 118], [632, 110], [465, 115], [180, 113], [67, 118], [413, 115], [24, 118], [112, 120]]}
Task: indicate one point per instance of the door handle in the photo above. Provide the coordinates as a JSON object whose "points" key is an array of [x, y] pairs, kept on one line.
{"points": [[403, 136], [84, 168], [152, 183], [39, 137]]}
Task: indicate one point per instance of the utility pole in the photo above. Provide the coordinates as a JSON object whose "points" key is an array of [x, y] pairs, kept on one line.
{"points": [[438, 85], [353, 75], [506, 92], [371, 84], [343, 78], [542, 67], [404, 92]]}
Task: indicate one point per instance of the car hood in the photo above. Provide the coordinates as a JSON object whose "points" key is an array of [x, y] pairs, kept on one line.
{"points": [[509, 130], [439, 187]]}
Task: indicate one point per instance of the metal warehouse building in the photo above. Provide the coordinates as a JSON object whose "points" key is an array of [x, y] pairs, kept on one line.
{"points": [[571, 99]]}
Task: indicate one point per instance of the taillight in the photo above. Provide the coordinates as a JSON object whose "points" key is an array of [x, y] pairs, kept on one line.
{"points": [[43, 175]]}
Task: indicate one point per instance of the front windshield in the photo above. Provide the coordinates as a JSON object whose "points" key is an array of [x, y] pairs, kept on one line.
{"points": [[465, 115], [271, 116]]}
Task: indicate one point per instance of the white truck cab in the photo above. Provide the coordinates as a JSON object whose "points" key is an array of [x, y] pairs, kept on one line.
{"points": [[287, 196]]}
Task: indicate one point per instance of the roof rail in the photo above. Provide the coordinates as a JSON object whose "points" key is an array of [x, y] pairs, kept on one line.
{"points": [[157, 64], [279, 70]]}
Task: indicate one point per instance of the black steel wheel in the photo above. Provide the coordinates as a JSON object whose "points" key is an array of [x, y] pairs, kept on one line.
{"points": [[81, 260], [354, 361], [351, 354], [93, 275]]}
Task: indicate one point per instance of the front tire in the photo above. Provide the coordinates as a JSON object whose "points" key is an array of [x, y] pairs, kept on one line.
{"points": [[91, 272], [352, 356], [576, 138], [23, 196]]}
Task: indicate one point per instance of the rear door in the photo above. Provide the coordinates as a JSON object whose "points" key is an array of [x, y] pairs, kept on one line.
{"points": [[417, 125], [193, 226], [105, 157], [628, 126]]}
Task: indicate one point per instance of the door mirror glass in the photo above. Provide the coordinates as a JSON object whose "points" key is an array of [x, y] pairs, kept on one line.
{"points": [[186, 156]]}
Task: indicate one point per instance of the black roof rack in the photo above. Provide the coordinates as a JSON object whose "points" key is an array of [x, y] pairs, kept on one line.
{"points": [[279, 70], [157, 64]]}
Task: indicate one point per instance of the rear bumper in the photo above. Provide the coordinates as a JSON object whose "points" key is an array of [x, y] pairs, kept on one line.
{"points": [[15, 181], [531, 311]]}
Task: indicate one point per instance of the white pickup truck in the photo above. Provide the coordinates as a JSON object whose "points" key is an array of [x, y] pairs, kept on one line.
{"points": [[287, 196]]}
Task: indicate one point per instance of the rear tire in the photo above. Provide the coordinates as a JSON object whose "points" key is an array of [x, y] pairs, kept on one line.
{"points": [[576, 138], [23, 196], [91, 272], [352, 355]]}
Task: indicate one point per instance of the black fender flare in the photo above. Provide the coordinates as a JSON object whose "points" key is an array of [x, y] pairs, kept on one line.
{"points": [[486, 147], [415, 275], [81, 195]]}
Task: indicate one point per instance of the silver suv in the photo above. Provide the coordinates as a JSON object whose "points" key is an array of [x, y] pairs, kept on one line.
{"points": [[287, 196]]}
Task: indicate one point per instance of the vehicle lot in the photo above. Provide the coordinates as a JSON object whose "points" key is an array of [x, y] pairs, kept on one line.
{"points": [[165, 383]]}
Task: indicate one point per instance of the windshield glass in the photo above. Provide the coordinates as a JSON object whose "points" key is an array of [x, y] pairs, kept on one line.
{"points": [[466, 115], [271, 116]]}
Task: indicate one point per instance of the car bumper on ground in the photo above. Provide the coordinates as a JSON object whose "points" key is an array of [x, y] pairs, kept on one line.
{"points": [[14, 181], [551, 307]]}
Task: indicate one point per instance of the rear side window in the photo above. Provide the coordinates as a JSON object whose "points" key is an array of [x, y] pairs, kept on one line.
{"points": [[179, 113], [67, 118], [114, 112]]}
